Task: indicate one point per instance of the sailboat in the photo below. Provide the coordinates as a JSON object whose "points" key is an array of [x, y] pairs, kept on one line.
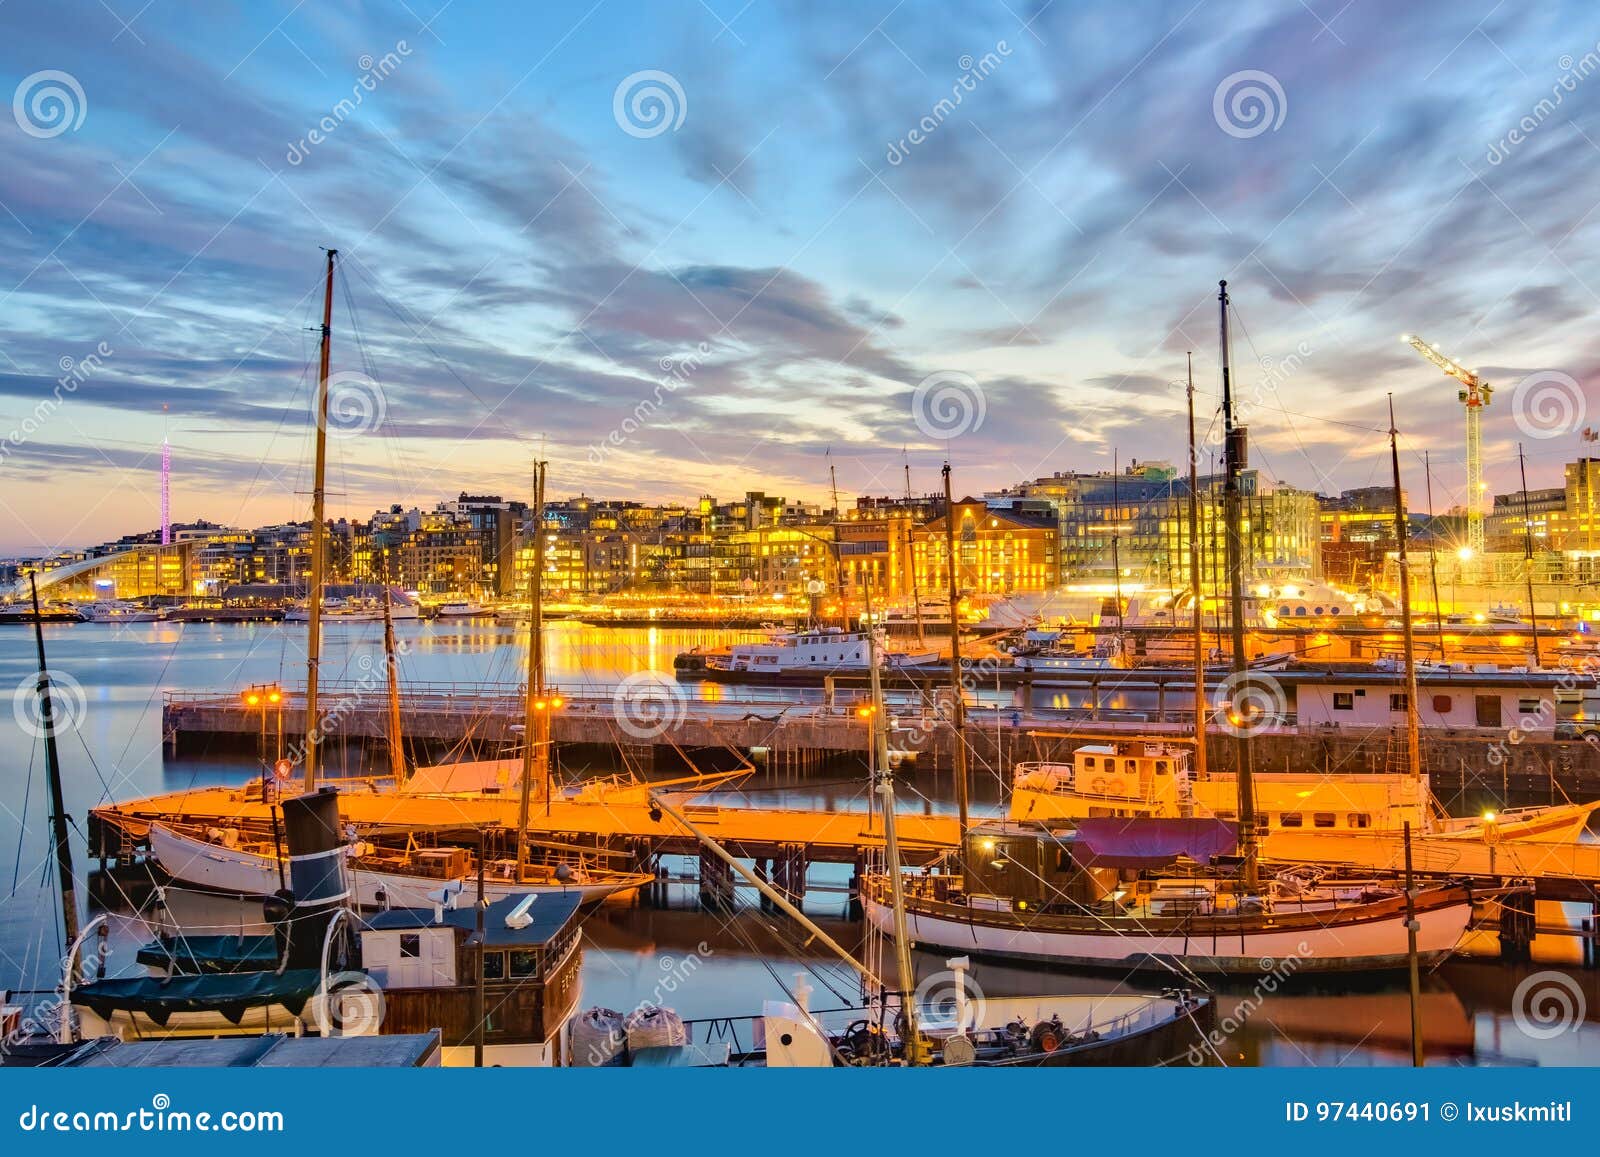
{"points": [[895, 1028], [1030, 891]]}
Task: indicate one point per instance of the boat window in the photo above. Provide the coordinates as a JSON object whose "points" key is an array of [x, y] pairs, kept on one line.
{"points": [[494, 965], [1291, 820], [1360, 820], [410, 945], [1299, 612], [1529, 707], [1088, 763], [524, 964], [1397, 702], [1130, 765], [1333, 610], [1441, 704], [1323, 819], [1344, 701], [1283, 612], [1161, 767], [1319, 610]]}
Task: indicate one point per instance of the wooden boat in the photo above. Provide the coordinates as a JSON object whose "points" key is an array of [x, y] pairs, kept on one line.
{"points": [[1154, 778], [1024, 895], [234, 862]]}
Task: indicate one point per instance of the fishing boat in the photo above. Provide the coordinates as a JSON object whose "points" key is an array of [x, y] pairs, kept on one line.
{"points": [[234, 861], [463, 609]]}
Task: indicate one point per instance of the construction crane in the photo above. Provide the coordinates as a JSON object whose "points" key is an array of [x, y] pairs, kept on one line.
{"points": [[1474, 395]]}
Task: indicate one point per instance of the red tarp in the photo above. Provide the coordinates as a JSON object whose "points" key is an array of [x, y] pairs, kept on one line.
{"points": [[1113, 842]]}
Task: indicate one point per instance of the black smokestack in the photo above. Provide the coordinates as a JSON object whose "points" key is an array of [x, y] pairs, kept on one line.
{"points": [[318, 878]]}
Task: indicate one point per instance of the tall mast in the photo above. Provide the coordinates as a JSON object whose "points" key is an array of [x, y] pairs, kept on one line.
{"points": [[1527, 551], [891, 849], [958, 705], [911, 564], [1433, 555], [397, 754], [1199, 613], [52, 767], [535, 751], [1403, 561], [319, 540], [1116, 543], [1233, 455]]}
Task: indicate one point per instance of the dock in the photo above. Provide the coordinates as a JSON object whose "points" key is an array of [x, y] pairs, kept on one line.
{"points": [[791, 732]]}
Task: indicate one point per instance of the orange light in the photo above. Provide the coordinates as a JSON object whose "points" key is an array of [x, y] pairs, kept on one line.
{"points": [[864, 712], [274, 696], [538, 704], [556, 703], [252, 700]]}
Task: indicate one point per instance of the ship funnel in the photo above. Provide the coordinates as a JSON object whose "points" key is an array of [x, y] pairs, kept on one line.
{"points": [[319, 881]]}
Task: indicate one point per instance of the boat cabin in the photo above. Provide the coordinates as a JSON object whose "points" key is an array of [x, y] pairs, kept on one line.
{"points": [[1009, 865], [426, 962]]}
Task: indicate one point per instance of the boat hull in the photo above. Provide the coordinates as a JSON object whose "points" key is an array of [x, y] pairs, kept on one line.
{"points": [[1376, 944], [236, 872]]}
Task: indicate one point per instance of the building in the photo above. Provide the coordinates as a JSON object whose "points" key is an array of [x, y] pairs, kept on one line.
{"points": [[1136, 521], [998, 551]]}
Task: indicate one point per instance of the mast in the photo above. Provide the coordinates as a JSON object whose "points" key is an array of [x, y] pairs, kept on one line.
{"points": [[397, 754], [1433, 555], [891, 850], [1116, 543], [1527, 551], [535, 752], [1234, 452], [958, 705], [911, 564], [1403, 561], [1194, 583], [319, 539], [52, 767]]}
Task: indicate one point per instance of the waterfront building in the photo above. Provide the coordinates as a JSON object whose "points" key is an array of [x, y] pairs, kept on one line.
{"points": [[998, 551]]}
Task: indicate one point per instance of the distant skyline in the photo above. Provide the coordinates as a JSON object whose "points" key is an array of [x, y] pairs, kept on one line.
{"points": [[691, 248]]}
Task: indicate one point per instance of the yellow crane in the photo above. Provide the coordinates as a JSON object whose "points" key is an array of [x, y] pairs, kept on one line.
{"points": [[1474, 395]]}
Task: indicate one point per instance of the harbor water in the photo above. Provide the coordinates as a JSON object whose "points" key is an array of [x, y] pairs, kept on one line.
{"points": [[706, 965]]}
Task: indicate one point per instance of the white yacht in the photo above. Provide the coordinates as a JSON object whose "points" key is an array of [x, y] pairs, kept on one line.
{"points": [[825, 649], [117, 611]]}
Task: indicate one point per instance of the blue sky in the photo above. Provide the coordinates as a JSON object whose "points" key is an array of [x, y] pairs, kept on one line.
{"points": [[773, 264]]}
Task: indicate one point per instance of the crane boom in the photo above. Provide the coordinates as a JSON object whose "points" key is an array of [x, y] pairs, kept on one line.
{"points": [[1474, 395]]}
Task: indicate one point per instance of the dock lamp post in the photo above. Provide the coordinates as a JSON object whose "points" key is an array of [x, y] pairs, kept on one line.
{"points": [[265, 697]]}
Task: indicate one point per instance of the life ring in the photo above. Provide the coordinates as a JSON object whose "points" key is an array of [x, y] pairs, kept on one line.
{"points": [[1048, 1036], [1103, 786]]}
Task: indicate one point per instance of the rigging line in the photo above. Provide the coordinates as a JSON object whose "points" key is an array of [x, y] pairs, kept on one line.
{"points": [[149, 699], [491, 412], [27, 794]]}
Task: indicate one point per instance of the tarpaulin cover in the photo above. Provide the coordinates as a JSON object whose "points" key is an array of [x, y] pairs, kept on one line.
{"points": [[1114, 842], [231, 994]]}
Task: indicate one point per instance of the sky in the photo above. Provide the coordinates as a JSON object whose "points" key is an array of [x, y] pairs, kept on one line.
{"points": [[678, 248]]}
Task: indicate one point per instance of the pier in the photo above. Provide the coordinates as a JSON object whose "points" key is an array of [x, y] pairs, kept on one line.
{"points": [[789, 732]]}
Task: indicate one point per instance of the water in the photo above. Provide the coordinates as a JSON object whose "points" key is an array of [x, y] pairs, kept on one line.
{"points": [[703, 964]]}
